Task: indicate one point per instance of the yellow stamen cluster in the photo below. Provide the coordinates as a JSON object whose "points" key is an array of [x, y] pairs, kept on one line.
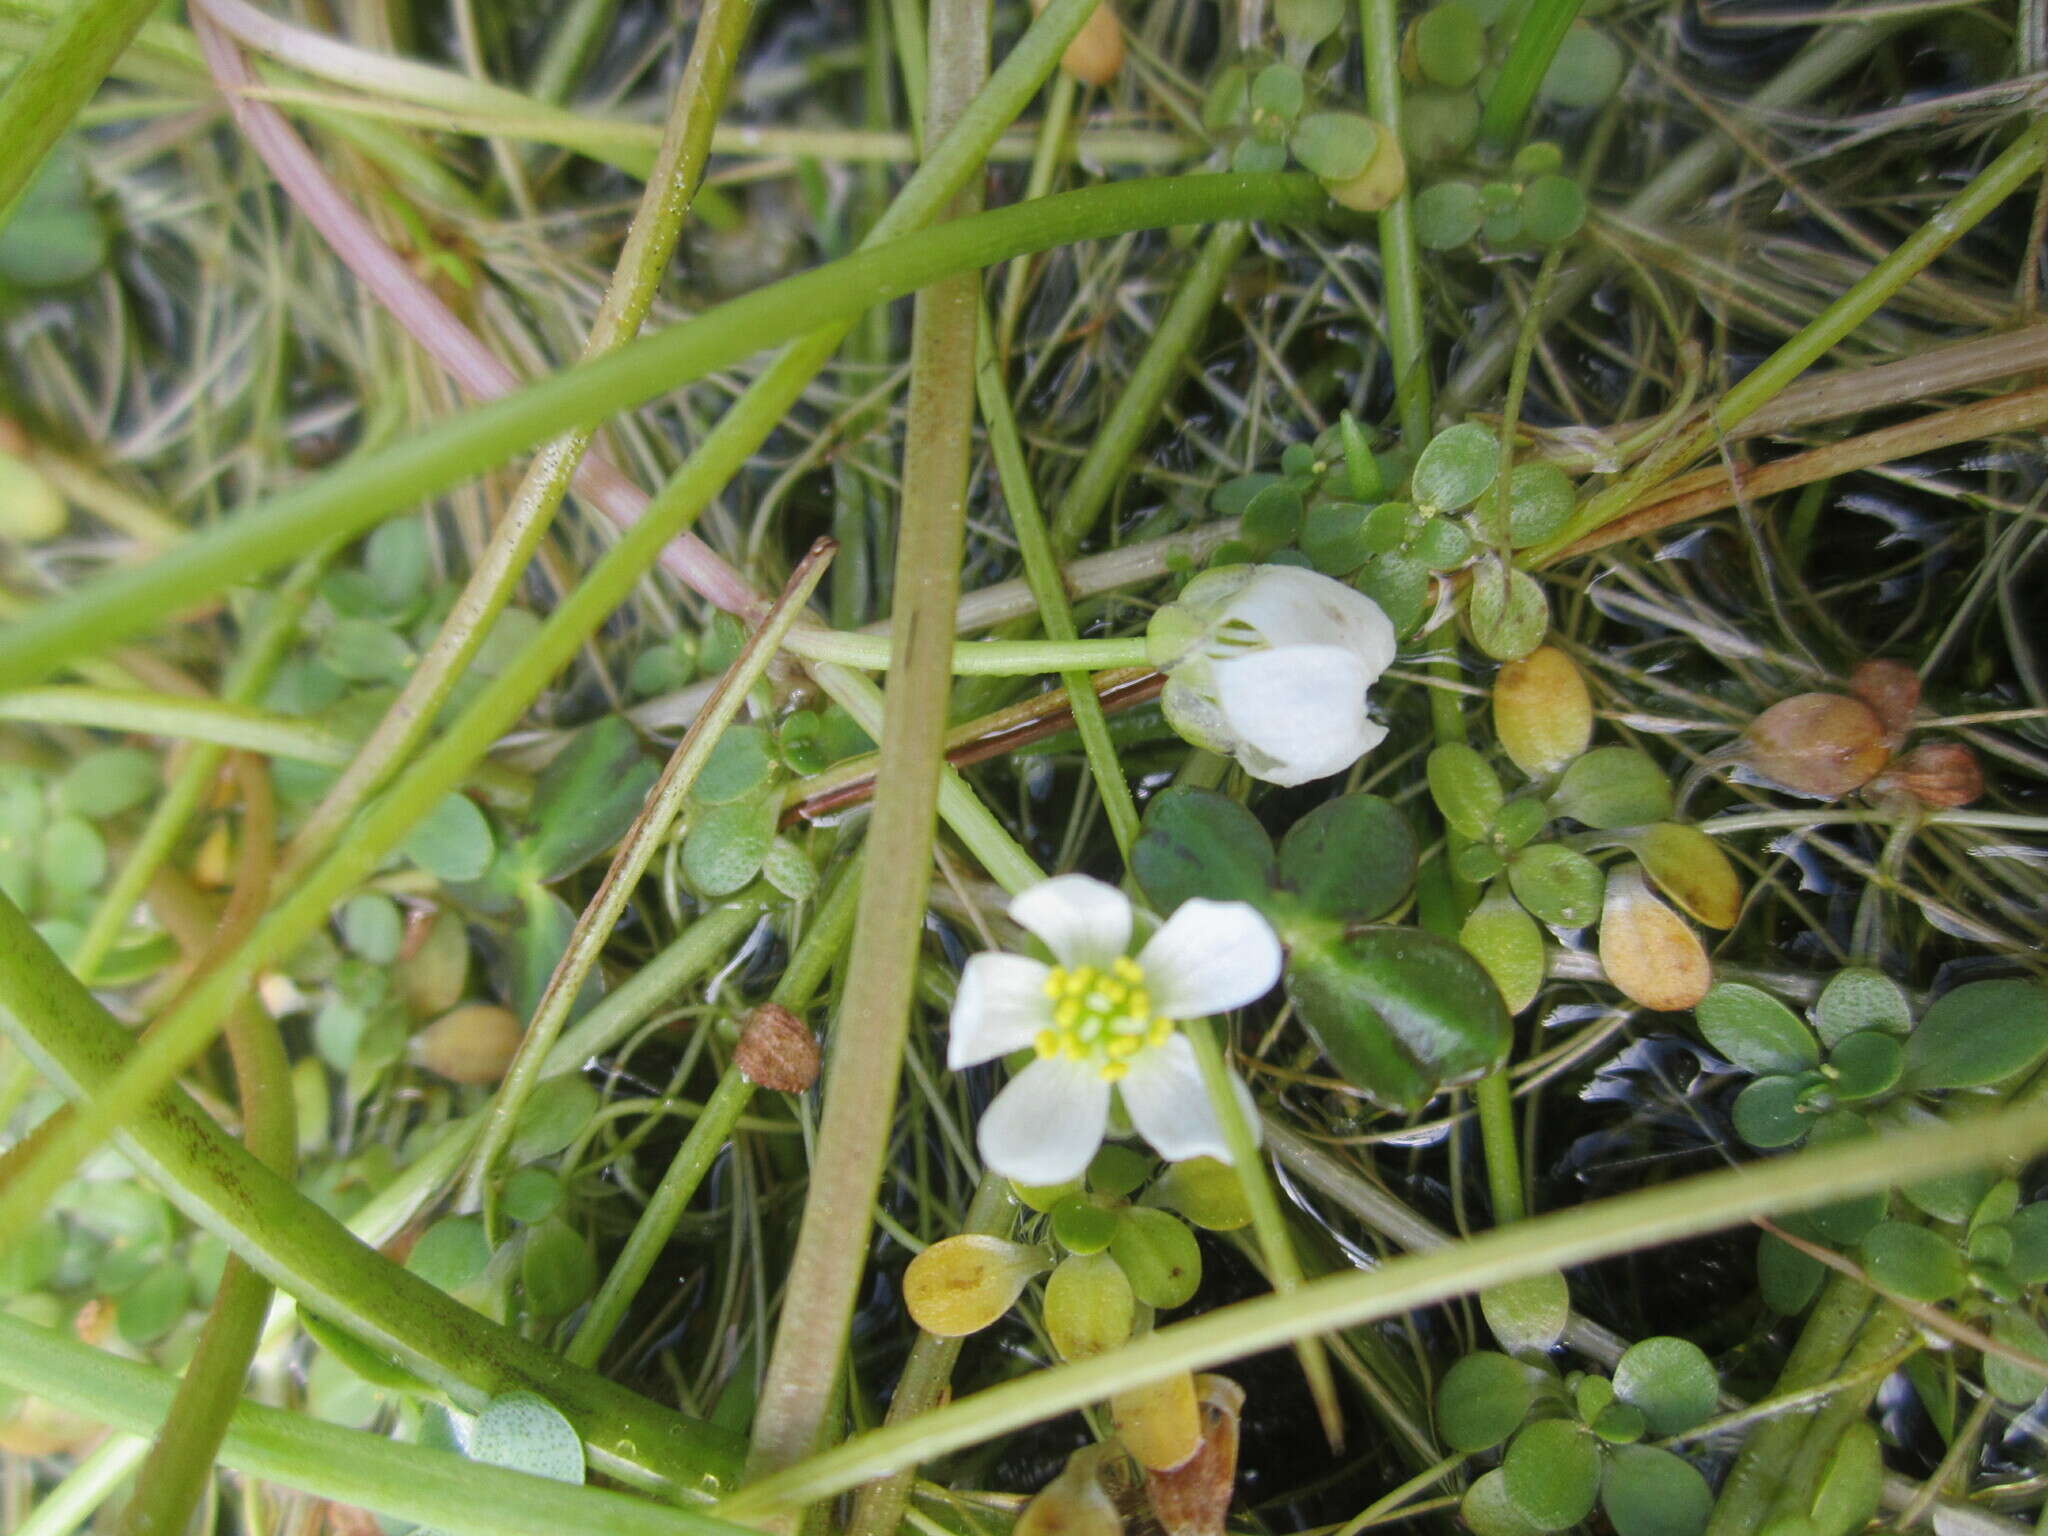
{"points": [[1099, 1016]]}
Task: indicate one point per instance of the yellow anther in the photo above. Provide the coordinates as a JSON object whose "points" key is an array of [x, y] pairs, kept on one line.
{"points": [[1055, 983], [1067, 1014], [1046, 1042], [1122, 1047], [1160, 1033], [1114, 1071], [1101, 1015], [1127, 969]]}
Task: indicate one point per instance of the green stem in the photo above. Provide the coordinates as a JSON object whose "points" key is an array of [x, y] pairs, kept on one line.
{"points": [[982, 658], [649, 831], [2020, 162], [1269, 1226], [346, 501], [928, 1372], [1495, 1099], [217, 723], [1884, 1333], [56, 80], [1400, 270], [643, 261], [1824, 1339], [347, 1466], [1541, 28], [1053, 128], [89, 1485], [302, 1249], [820, 948], [1042, 572], [873, 1019], [1561, 1240]]}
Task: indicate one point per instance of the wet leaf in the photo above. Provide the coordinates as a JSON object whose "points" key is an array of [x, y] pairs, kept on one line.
{"points": [[1852, 1483], [1089, 1306], [1552, 1470], [1160, 1424], [1613, 787], [1193, 1498], [453, 841], [1160, 1257], [1400, 1013], [1457, 466], [1646, 948], [1467, 792], [523, 1431], [1670, 1380], [1506, 611], [1484, 1398], [1756, 1031], [1981, 1033], [1207, 1193], [1505, 939], [1689, 867], [1858, 998], [1542, 713], [2017, 1382], [1197, 842], [1913, 1261], [1351, 859], [1557, 885], [1648, 1492], [1528, 1314]]}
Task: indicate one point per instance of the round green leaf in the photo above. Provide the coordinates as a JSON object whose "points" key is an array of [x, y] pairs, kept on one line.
{"points": [[1552, 209], [1159, 1255], [1488, 1510], [1400, 1013], [1540, 502], [1505, 939], [1196, 842], [531, 1195], [1670, 1380], [1527, 1314], [1272, 517], [1450, 45], [1117, 1171], [1333, 537], [451, 1253], [154, 1305], [1277, 92], [1867, 1064], [1857, 999], [453, 841], [789, 869], [727, 844], [741, 763], [1483, 1399], [1305, 23], [1467, 791], [365, 651], [1089, 1306], [557, 1269], [1552, 1470], [1755, 1031], [1205, 1192], [1981, 1033], [1351, 859], [1619, 1424], [1539, 157], [1079, 1225], [1438, 124], [2017, 1382], [1506, 611], [1447, 215], [1767, 1113], [2029, 1229], [373, 927], [1787, 1279], [1611, 787], [395, 561], [1400, 584], [554, 1114], [1557, 885], [1335, 146], [1913, 1262], [73, 857], [1477, 863], [1585, 71], [107, 782], [1648, 1492], [1443, 544], [524, 1432], [1457, 466]]}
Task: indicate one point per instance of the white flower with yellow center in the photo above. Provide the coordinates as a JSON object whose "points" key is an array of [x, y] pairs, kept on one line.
{"points": [[1101, 1019]]}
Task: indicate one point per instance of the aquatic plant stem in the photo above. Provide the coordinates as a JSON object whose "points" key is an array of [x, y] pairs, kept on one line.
{"points": [[1400, 270], [1269, 1225], [873, 1019], [50, 86], [356, 495], [1883, 1335], [2011, 170], [820, 948], [301, 1248], [349, 1466], [87, 1486], [1541, 26], [636, 851], [649, 246], [1603, 1228], [1835, 49], [1042, 572], [979, 658]]}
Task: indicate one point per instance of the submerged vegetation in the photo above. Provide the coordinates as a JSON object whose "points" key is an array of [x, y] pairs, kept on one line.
{"points": [[1065, 768]]}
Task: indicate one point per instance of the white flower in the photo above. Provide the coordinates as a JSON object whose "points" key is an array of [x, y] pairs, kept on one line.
{"points": [[1099, 1019], [1270, 664]]}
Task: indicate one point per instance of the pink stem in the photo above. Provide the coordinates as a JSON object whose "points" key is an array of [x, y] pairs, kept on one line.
{"points": [[477, 371]]}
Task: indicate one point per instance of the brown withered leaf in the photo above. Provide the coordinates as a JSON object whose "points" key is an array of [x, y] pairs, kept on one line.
{"points": [[1193, 1498]]}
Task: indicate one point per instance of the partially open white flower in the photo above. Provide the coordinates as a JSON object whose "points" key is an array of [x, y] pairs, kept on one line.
{"points": [[1101, 1019], [1270, 664]]}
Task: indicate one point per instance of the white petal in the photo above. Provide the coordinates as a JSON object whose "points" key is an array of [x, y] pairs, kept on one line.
{"points": [[1081, 920], [1208, 957], [1289, 606], [1046, 1125], [1301, 711], [1170, 1108], [1000, 1007]]}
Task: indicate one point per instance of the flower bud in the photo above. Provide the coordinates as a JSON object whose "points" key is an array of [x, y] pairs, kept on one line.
{"points": [[961, 1284], [1936, 773], [1193, 1498], [777, 1050], [1096, 54], [474, 1043], [1160, 1424], [1270, 664], [1892, 690], [1542, 712], [1073, 1504], [1647, 949], [1822, 745]]}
